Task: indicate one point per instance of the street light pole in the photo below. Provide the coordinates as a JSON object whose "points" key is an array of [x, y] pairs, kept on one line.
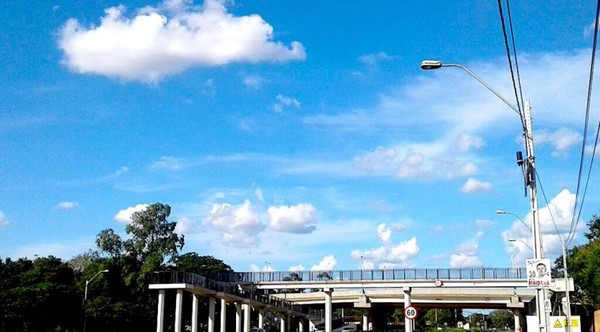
{"points": [[530, 178], [85, 294], [517, 240], [516, 216]]}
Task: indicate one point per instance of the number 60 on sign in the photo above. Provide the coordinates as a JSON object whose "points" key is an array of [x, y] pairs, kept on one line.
{"points": [[410, 312]]}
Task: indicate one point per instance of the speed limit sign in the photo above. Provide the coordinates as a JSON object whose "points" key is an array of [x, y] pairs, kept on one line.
{"points": [[410, 312]]}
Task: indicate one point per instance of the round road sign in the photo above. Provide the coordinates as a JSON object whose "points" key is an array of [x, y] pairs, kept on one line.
{"points": [[410, 312]]}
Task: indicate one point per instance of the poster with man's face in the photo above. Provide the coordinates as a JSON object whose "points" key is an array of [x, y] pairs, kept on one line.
{"points": [[538, 273]]}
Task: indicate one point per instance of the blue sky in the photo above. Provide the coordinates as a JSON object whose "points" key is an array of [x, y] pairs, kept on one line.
{"points": [[291, 134]]}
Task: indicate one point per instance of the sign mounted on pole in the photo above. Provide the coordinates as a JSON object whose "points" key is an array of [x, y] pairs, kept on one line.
{"points": [[410, 312], [538, 273]]}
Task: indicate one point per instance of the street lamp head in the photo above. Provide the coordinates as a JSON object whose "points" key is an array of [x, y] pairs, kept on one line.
{"points": [[104, 271], [512, 240], [431, 64], [500, 212]]}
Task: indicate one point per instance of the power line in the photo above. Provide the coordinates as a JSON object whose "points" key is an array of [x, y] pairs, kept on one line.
{"points": [[576, 213], [510, 65]]}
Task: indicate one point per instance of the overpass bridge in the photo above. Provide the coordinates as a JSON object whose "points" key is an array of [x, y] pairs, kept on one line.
{"points": [[485, 288]]}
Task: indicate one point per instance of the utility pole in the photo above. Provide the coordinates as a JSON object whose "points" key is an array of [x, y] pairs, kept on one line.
{"points": [[542, 301]]}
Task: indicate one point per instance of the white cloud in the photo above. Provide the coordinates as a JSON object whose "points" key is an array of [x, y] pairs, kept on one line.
{"points": [[463, 260], [376, 58], [562, 139], [184, 226], [239, 225], [328, 263], [465, 254], [284, 102], [384, 232], [296, 268], [124, 216], [157, 42], [388, 255], [292, 219], [467, 142], [475, 186], [555, 224], [3, 219], [253, 82], [170, 163], [67, 205]]}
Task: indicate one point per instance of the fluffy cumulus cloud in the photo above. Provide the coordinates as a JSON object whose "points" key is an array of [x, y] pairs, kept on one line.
{"points": [[292, 219], [328, 263], [389, 255], [239, 225], [555, 225], [384, 232], [124, 215], [158, 41], [465, 255]]}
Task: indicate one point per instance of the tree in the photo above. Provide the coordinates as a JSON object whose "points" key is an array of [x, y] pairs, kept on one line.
{"points": [[152, 234], [126, 304], [584, 266], [204, 265], [502, 319], [38, 296]]}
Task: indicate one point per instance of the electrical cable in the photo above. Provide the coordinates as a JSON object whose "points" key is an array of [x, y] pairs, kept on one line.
{"points": [[512, 37], [577, 213], [510, 66]]}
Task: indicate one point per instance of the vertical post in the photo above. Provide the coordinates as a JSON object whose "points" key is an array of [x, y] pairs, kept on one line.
{"points": [[211, 314], [160, 316], [238, 317], [408, 324], [328, 310], [194, 312], [567, 301], [223, 325], [538, 252], [246, 323], [178, 308]]}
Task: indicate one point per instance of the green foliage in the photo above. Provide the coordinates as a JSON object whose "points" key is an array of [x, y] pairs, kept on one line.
{"points": [[203, 265], [37, 295], [502, 318], [152, 234]]}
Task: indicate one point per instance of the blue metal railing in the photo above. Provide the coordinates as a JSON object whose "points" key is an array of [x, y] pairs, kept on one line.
{"points": [[382, 274]]}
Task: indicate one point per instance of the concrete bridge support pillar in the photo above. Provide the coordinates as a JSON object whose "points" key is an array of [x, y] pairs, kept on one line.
{"points": [[211, 314], [518, 313], [328, 310], [246, 309], [408, 323], [301, 325], [194, 313], [365, 321], [160, 316], [238, 317], [223, 325], [311, 325], [261, 319], [282, 323], [178, 308]]}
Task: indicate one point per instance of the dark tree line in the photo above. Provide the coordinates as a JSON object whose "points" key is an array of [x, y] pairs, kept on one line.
{"points": [[47, 294]]}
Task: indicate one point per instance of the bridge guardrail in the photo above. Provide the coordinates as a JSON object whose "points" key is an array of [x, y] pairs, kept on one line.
{"points": [[382, 274]]}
